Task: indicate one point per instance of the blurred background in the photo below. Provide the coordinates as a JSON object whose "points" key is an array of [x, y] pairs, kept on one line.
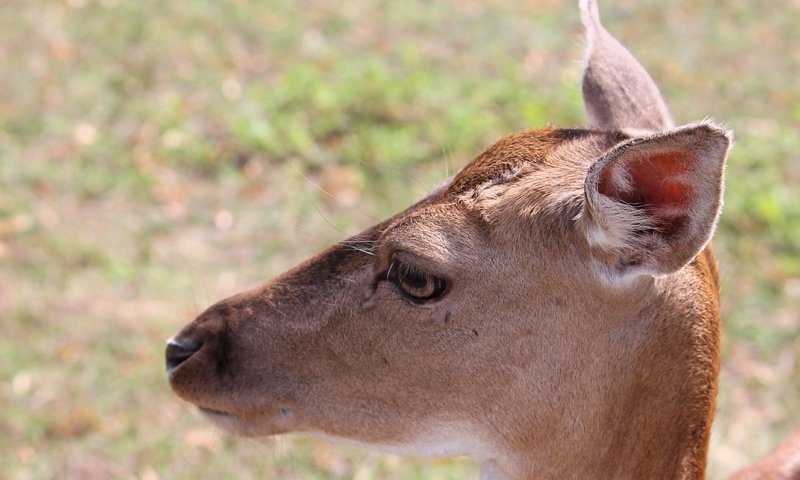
{"points": [[158, 156]]}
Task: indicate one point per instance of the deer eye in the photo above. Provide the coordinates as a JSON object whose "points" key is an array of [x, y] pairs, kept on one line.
{"points": [[415, 283]]}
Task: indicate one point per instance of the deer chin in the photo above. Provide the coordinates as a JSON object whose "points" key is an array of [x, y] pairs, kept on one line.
{"points": [[274, 422], [442, 440]]}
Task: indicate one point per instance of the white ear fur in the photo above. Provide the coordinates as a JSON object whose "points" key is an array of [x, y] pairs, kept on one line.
{"points": [[652, 202]]}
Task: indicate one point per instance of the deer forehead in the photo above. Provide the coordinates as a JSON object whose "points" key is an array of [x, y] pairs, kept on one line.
{"points": [[441, 232], [527, 174], [504, 161]]}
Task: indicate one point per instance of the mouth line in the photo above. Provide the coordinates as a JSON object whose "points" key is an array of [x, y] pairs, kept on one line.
{"points": [[215, 413]]}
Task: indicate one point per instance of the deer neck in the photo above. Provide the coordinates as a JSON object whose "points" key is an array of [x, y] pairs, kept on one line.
{"points": [[641, 408]]}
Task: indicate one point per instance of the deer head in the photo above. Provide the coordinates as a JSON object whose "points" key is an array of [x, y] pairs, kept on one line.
{"points": [[551, 310]]}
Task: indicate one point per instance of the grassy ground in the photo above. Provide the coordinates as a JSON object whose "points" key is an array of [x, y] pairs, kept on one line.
{"points": [[157, 156]]}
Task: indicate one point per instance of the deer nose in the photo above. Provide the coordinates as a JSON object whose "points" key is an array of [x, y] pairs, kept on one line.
{"points": [[178, 352]]}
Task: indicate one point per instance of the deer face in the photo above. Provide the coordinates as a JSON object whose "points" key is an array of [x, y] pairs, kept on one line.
{"points": [[428, 324], [416, 326], [552, 287]]}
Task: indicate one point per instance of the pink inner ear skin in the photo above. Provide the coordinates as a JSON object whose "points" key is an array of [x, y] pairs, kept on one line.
{"points": [[655, 187]]}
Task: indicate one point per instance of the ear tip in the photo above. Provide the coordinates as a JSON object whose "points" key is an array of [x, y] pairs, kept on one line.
{"points": [[590, 14], [712, 128], [713, 125]]}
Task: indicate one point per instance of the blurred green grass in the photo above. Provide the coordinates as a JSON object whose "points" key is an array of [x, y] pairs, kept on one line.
{"points": [[158, 156]]}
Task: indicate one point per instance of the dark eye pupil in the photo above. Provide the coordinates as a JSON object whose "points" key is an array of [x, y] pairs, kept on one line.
{"points": [[415, 279], [415, 283]]}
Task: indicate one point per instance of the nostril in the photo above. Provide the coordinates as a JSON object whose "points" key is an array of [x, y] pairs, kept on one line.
{"points": [[178, 352]]}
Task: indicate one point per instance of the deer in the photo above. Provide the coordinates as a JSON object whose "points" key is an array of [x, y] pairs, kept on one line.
{"points": [[552, 310]]}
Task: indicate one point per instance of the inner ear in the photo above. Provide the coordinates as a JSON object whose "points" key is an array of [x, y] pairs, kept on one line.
{"points": [[657, 183], [654, 201]]}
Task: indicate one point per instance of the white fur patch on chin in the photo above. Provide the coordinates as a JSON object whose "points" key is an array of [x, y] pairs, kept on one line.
{"points": [[445, 442]]}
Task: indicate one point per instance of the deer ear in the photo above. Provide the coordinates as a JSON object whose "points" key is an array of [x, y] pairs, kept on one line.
{"points": [[617, 91], [653, 202]]}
